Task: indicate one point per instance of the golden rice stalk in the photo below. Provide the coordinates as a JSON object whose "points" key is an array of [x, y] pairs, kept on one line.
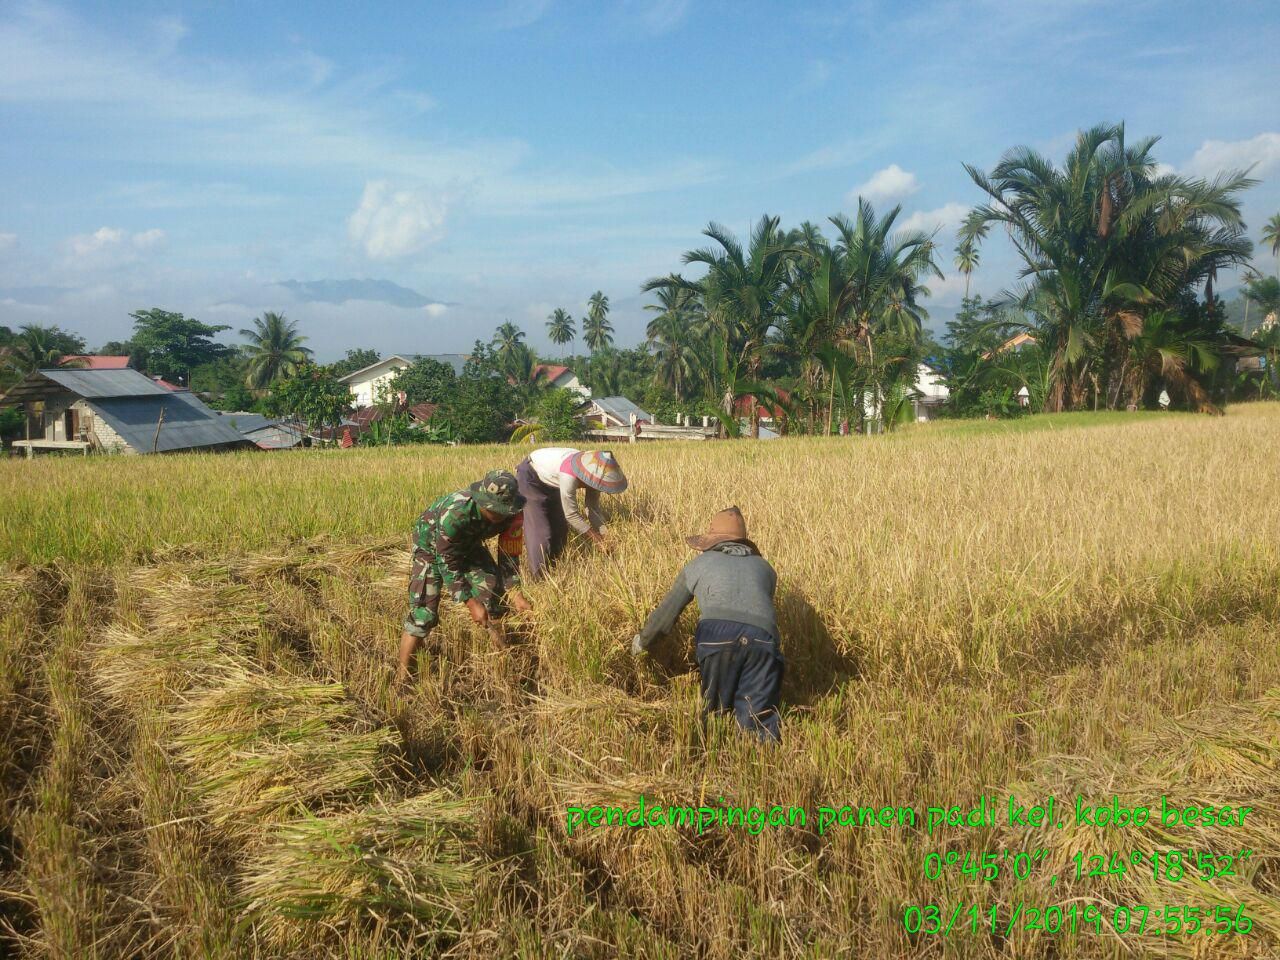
{"points": [[402, 866], [256, 746], [174, 603], [133, 670]]}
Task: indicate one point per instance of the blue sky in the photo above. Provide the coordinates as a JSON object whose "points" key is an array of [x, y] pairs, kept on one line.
{"points": [[505, 157]]}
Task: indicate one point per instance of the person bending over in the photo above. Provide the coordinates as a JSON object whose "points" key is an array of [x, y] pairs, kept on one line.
{"points": [[549, 481], [449, 554], [736, 644]]}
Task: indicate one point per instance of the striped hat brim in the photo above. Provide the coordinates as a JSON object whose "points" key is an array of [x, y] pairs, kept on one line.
{"points": [[599, 472]]}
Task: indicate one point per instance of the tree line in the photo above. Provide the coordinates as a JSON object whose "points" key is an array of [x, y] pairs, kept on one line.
{"points": [[824, 324]]}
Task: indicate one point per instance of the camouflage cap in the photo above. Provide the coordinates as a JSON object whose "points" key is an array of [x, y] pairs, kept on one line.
{"points": [[498, 492]]}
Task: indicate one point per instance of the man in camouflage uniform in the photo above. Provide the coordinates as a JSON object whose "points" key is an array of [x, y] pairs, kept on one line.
{"points": [[449, 554]]}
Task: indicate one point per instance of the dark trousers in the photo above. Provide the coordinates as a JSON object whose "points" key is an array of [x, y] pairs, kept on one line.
{"points": [[545, 529], [745, 678]]}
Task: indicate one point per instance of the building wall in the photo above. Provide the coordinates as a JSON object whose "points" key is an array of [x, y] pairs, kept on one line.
{"points": [[104, 438], [365, 391], [570, 381], [55, 409]]}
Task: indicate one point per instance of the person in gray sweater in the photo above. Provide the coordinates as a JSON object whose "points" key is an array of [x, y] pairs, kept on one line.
{"points": [[736, 644]]}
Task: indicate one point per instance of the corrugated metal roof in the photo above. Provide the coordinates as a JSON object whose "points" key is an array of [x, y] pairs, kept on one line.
{"points": [[620, 408], [188, 423], [105, 383], [244, 422], [276, 436]]}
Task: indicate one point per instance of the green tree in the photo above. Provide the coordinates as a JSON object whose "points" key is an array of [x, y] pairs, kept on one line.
{"points": [[355, 360], [1271, 238], [1265, 293], [967, 260], [1104, 240], [743, 291], [560, 327], [311, 395], [426, 380], [1169, 352], [35, 347], [674, 335], [483, 404], [170, 345], [274, 350], [554, 419], [223, 378], [597, 331], [507, 339]]}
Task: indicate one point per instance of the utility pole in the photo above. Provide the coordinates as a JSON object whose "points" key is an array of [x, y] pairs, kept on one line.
{"points": [[155, 443]]}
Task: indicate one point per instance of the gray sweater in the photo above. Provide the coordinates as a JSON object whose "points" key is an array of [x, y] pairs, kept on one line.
{"points": [[730, 582]]}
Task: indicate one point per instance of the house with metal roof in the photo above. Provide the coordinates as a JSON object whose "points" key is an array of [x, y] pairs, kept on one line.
{"points": [[267, 433], [115, 411], [616, 412]]}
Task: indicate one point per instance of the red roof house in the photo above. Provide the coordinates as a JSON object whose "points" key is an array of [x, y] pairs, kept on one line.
{"points": [[742, 407], [87, 362]]}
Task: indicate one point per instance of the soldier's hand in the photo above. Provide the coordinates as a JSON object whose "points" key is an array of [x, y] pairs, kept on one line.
{"points": [[479, 613], [519, 602]]}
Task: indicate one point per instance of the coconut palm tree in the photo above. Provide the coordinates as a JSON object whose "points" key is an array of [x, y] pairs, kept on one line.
{"points": [[507, 339], [885, 271], [744, 291], [674, 335], [274, 350], [1168, 352], [1271, 238], [1104, 240], [596, 328], [1265, 292], [560, 327], [820, 303], [967, 259]]}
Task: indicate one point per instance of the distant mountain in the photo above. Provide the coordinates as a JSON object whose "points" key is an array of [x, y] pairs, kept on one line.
{"points": [[340, 291]]}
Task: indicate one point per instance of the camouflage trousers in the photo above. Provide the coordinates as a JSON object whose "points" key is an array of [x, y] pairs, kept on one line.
{"points": [[480, 580]]}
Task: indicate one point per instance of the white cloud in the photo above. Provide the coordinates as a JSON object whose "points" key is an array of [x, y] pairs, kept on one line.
{"points": [[8, 241], [393, 223], [435, 309], [947, 215], [108, 248], [278, 114], [891, 183], [1218, 156], [112, 238], [148, 238], [87, 244]]}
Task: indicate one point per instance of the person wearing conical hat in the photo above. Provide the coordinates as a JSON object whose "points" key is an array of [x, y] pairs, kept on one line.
{"points": [[449, 554], [737, 641], [550, 479]]}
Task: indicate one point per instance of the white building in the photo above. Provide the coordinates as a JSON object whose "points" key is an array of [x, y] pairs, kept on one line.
{"points": [[562, 377], [930, 393], [368, 384]]}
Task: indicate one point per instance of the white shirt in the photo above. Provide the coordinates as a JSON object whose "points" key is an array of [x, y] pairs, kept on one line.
{"points": [[546, 463]]}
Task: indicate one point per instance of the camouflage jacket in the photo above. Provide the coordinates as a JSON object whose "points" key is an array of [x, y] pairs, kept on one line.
{"points": [[452, 530]]}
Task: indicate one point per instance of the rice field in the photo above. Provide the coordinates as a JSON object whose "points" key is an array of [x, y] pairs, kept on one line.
{"points": [[202, 754]]}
